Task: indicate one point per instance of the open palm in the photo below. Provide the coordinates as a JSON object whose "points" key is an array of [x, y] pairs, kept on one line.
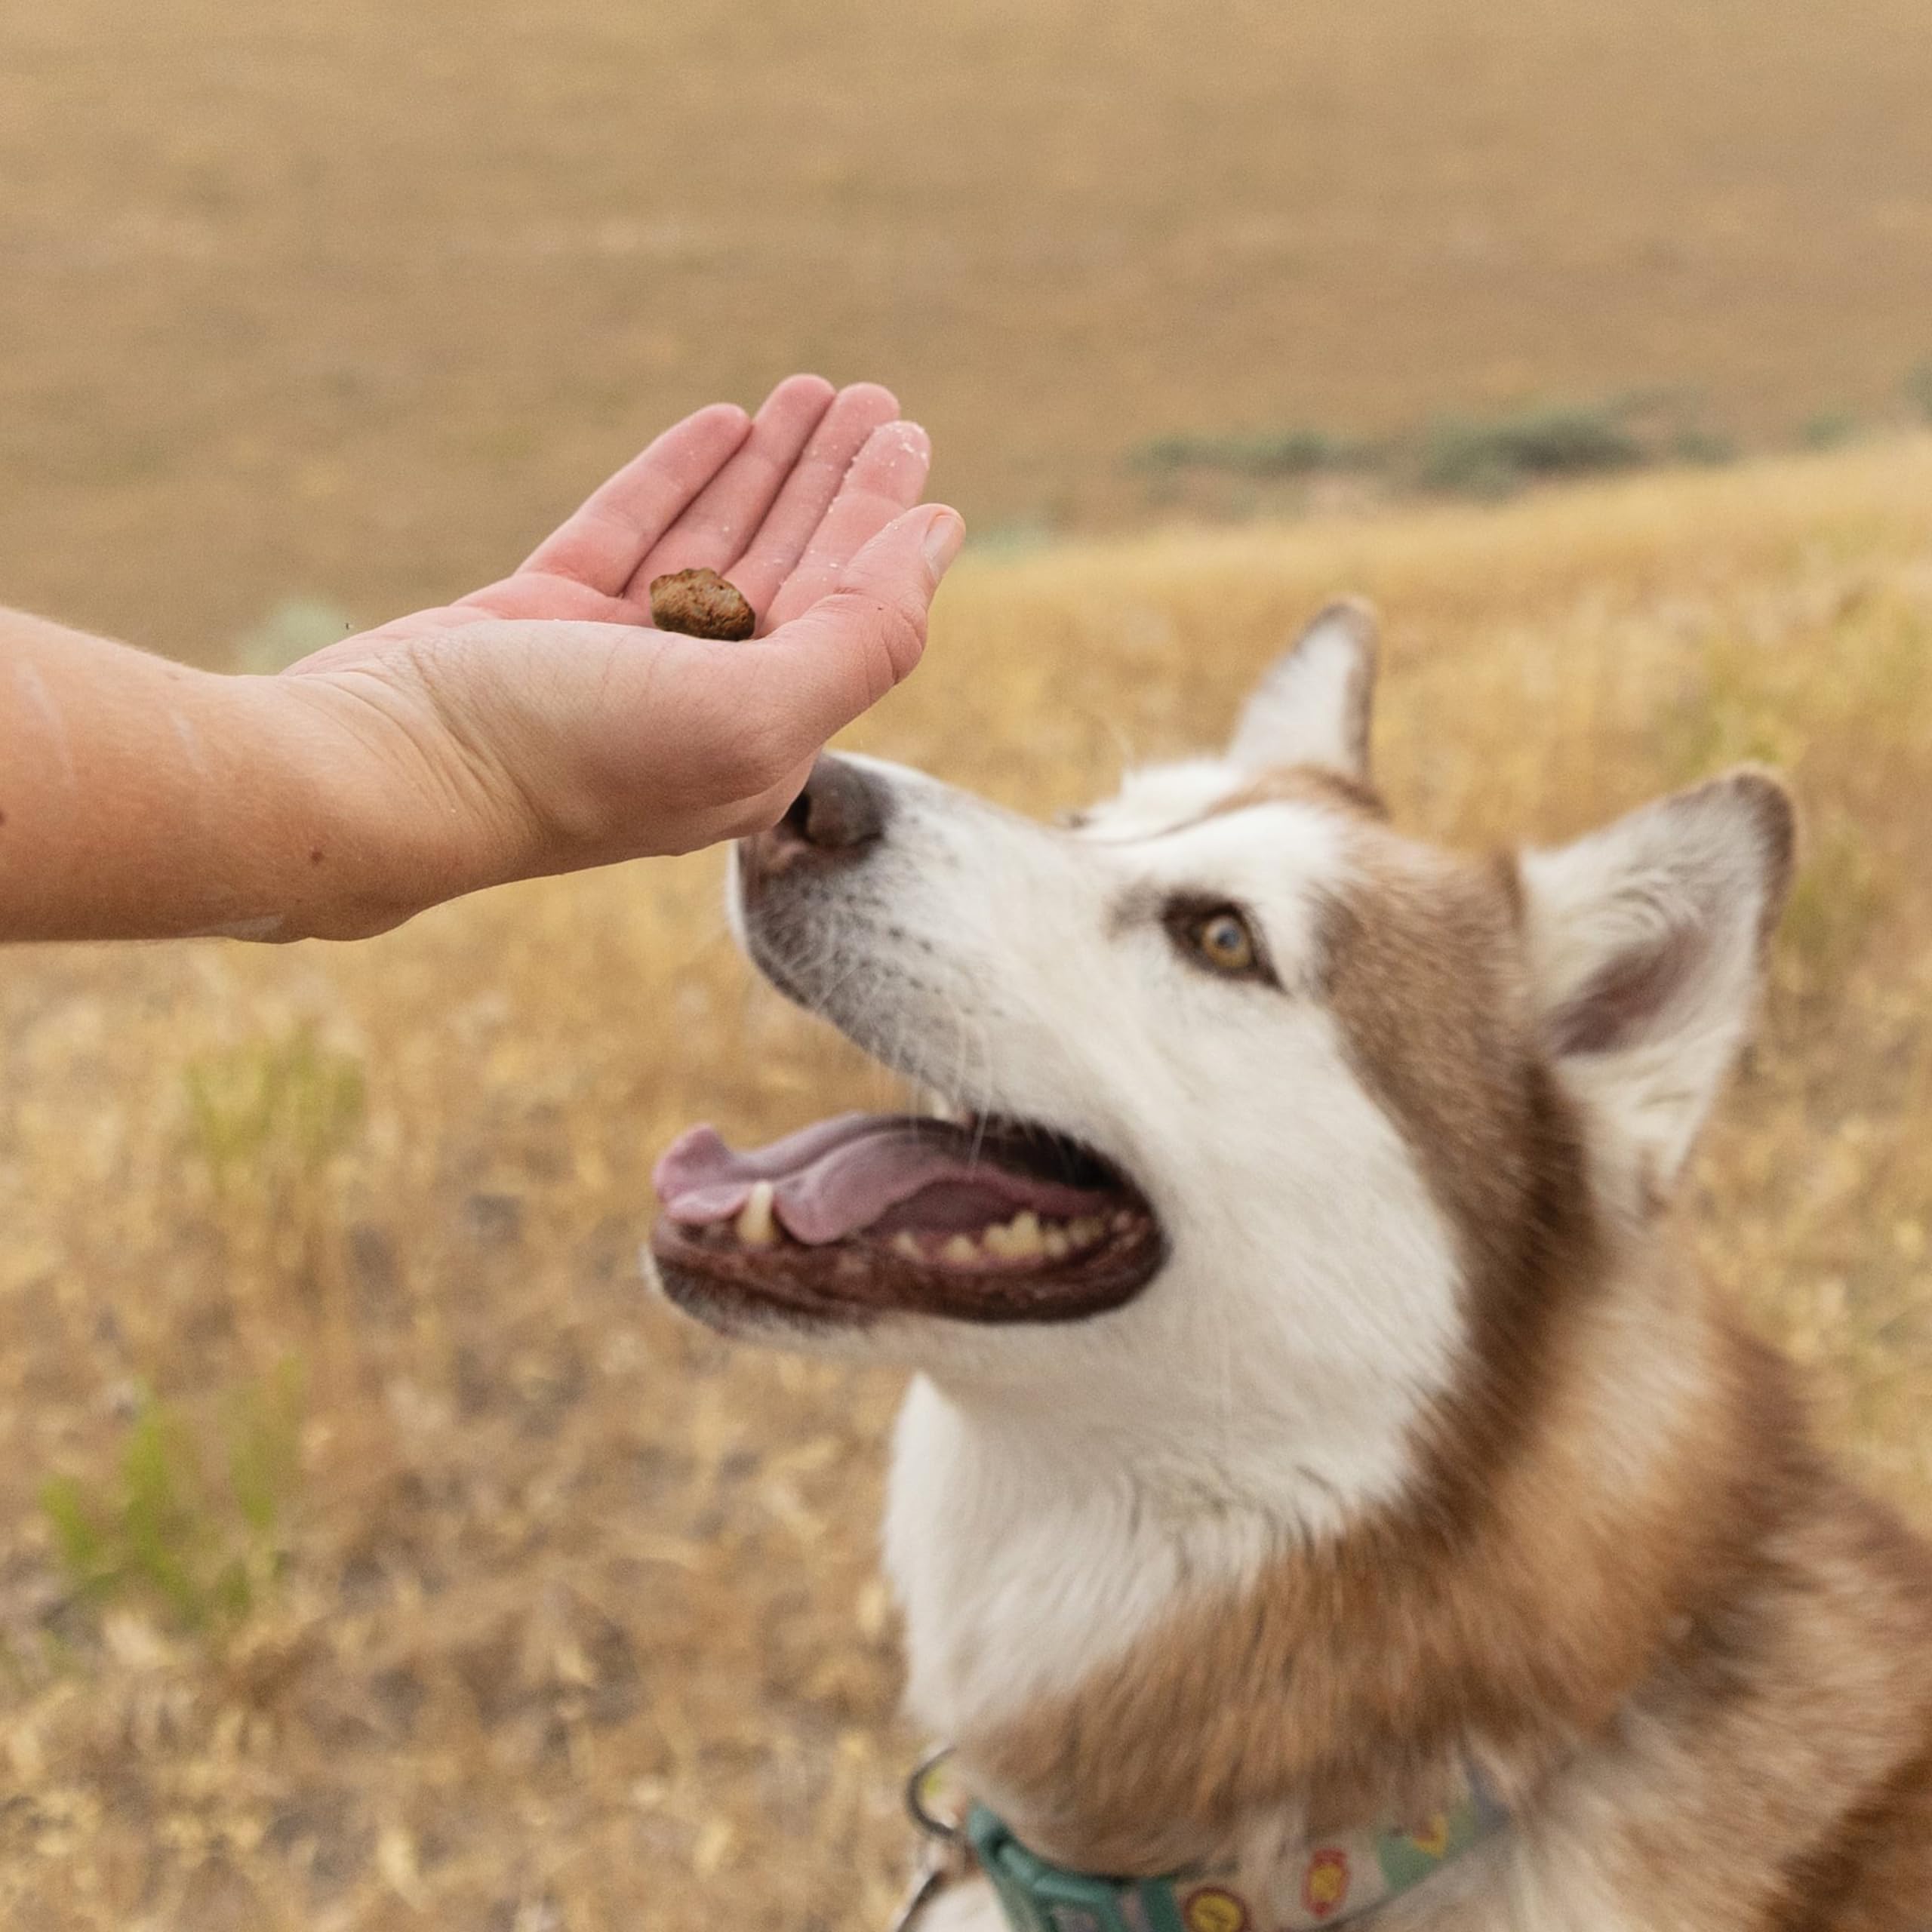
{"points": [[542, 723]]}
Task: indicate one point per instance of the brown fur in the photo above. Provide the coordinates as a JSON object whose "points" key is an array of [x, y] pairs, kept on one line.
{"points": [[1878, 1852], [1627, 1585]]}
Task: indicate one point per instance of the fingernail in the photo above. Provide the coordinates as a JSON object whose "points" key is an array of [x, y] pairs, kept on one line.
{"points": [[944, 535]]}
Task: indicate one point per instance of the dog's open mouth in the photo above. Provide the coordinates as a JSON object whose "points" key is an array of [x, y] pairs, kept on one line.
{"points": [[984, 1220]]}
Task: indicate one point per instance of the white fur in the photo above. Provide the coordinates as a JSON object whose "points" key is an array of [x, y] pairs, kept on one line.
{"points": [[1311, 706], [1690, 871], [1159, 798]]}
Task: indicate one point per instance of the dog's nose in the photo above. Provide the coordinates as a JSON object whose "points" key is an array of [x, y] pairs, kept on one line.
{"points": [[841, 812], [840, 808]]}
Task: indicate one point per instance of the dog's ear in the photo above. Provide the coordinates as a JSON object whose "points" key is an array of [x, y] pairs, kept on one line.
{"points": [[1313, 705], [1647, 943]]}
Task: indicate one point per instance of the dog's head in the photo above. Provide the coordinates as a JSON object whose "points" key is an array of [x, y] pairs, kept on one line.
{"points": [[1262, 1120]]}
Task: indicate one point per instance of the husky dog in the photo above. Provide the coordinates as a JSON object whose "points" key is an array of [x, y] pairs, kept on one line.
{"points": [[1324, 1491]]}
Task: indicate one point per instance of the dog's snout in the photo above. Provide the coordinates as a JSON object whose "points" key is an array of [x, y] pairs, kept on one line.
{"points": [[839, 815]]}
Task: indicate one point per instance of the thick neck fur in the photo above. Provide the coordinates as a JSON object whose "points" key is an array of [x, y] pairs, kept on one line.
{"points": [[1140, 1678]]}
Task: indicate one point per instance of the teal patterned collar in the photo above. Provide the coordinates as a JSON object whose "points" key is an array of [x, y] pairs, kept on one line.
{"points": [[1327, 1882]]}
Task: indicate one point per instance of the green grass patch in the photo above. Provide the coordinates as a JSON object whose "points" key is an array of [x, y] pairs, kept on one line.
{"points": [[1495, 456], [1280, 453], [1482, 456], [274, 1112], [1829, 429], [192, 1526]]}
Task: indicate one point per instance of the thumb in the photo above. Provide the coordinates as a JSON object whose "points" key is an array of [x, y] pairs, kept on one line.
{"points": [[837, 658]]}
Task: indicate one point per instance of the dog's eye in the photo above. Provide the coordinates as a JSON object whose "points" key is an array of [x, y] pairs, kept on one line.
{"points": [[1223, 940], [1220, 938]]}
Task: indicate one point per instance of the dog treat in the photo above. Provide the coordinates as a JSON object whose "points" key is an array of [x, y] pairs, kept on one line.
{"points": [[701, 604]]}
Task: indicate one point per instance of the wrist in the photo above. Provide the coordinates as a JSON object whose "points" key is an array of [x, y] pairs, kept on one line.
{"points": [[390, 821], [288, 857]]}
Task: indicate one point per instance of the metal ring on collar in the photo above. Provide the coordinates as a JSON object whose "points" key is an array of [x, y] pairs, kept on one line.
{"points": [[917, 1808]]}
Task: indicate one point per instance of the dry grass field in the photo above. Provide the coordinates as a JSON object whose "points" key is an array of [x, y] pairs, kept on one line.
{"points": [[374, 1554], [522, 1606], [352, 301]]}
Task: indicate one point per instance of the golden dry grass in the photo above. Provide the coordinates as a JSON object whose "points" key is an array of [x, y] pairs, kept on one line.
{"points": [[578, 1627], [354, 301]]}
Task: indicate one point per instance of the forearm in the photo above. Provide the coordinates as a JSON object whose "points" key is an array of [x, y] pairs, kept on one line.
{"points": [[140, 798]]}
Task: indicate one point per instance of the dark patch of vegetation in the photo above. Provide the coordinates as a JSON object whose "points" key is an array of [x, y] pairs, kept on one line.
{"points": [[1493, 456], [1708, 448], [1830, 430], [1283, 453], [1472, 456]]}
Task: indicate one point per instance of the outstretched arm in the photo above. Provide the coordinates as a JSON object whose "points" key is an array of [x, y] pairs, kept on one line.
{"points": [[538, 725]]}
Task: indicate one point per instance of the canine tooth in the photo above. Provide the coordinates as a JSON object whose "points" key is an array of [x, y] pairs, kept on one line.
{"points": [[960, 1250], [906, 1243], [755, 1225]]}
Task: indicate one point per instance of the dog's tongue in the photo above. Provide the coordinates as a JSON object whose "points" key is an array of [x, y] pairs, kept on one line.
{"points": [[833, 1179]]}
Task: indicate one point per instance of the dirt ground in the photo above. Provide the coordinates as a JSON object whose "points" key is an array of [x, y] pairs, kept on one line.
{"points": [[351, 302]]}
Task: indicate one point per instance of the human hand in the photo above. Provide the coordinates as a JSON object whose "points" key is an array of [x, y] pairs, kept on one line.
{"points": [[542, 724]]}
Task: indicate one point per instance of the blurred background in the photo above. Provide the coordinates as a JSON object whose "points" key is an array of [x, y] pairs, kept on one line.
{"points": [[376, 1554]]}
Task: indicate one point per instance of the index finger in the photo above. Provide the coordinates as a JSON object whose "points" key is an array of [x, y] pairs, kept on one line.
{"points": [[602, 544]]}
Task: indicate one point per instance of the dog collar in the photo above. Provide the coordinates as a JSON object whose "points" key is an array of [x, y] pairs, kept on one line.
{"points": [[1328, 1882]]}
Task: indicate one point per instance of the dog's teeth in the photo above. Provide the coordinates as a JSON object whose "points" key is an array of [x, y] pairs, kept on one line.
{"points": [[906, 1243], [1055, 1242], [1016, 1240], [961, 1251], [755, 1226], [1024, 1240], [1087, 1230], [1123, 1223]]}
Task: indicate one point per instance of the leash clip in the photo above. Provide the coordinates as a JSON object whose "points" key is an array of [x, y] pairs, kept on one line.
{"points": [[943, 1854], [919, 1803]]}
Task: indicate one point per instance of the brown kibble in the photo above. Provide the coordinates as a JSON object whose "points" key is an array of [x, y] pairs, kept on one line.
{"points": [[701, 604]]}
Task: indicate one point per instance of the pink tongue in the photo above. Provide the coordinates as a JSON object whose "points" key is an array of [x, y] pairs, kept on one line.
{"points": [[843, 1174]]}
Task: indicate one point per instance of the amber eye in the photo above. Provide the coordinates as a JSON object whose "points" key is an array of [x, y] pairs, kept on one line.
{"points": [[1225, 941]]}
